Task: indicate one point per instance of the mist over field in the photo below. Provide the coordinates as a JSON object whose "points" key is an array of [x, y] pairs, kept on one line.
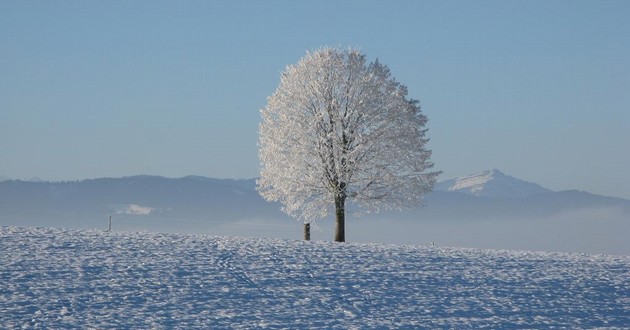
{"points": [[469, 215]]}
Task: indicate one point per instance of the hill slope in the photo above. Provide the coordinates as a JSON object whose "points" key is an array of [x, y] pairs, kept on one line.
{"points": [[136, 203], [58, 279]]}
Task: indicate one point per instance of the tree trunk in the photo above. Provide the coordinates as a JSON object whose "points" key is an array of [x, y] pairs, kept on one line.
{"points": [[340, 213], [307, 231]]}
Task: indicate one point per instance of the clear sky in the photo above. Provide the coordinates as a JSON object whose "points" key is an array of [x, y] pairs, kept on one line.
{"points": [[537, 89]]}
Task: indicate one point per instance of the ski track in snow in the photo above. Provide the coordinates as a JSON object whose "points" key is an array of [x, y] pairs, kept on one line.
{"points": [[56, 279]]}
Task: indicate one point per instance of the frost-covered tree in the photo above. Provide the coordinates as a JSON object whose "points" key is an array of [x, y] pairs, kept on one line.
{"points": [[338, 129]]}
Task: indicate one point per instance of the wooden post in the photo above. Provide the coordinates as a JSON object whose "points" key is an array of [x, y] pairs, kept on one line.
{"points": [[110, 224], [307, 231]]}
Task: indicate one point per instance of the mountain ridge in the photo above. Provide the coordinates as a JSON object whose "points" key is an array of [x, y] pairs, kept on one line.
{"points": [[463, 184]]}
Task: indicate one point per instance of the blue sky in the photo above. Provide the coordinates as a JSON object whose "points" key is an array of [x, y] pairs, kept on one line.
{"points": [[538, 89]]}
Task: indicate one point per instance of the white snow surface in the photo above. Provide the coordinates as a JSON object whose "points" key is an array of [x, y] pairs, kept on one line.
{"points": [[61, 279], [135, 209]]}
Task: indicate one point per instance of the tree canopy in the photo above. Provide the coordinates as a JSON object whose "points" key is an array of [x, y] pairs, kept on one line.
{"points": [[337, 129]]}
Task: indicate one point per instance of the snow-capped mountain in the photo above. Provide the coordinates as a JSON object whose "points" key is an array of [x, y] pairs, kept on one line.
{"points": [[492, 183]]}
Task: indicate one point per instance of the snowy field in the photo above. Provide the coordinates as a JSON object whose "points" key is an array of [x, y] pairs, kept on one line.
{"points": [[61, 279]]}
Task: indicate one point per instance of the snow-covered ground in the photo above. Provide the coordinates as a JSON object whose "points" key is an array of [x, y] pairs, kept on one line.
{"points": [[59, 279]]}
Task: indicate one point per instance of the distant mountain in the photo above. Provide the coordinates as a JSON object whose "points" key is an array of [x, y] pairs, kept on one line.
{"points": [[32, 179], [487, 209], [494, 195], [492, 183], [152, 200]]}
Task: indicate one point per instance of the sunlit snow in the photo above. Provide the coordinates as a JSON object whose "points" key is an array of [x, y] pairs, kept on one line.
{"points": [[135, 209], [56, 279]]}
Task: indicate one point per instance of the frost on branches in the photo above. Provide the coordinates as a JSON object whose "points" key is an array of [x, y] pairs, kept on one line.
{"points": [[337, 129]]}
